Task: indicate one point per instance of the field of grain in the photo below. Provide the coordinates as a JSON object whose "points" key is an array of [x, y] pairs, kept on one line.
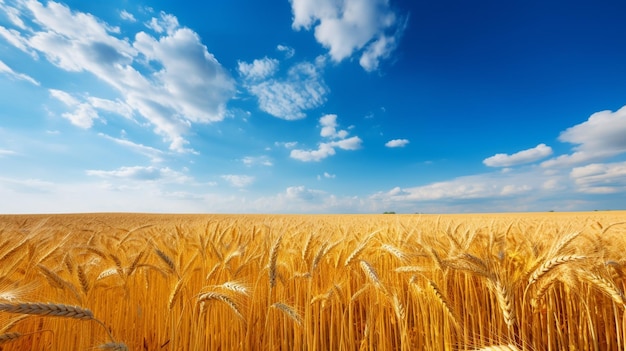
{"points": [[545, 281]]}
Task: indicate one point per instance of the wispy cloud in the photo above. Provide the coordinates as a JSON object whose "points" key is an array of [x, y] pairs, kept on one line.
{"points": [[370, 27], [127, 16], [397, 143], [5, 152], [288, 51], [238, 180], [326, 175], [151, 73], [143, 173], [525, 156], [258, 160], [154, 154], [21, 76], [600, 178], [288, 97], [337, 139]]}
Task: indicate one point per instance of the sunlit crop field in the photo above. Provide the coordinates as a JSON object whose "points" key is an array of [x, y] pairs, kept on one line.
{"points": [[544, 281]]}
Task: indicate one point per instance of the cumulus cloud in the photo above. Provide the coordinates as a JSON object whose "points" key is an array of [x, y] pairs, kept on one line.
{"points": [[345, 27], [525, 156], [238, 180], [21, 76], [337, 139], [329, 127], [303, 87], [171, 80], [600, 137], [397, 143]]}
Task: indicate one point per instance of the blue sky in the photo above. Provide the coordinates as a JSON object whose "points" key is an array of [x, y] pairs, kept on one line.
{"points": [[312, 106]]}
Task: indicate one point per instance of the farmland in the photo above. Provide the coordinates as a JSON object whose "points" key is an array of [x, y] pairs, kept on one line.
{"points": [[535, 281]]}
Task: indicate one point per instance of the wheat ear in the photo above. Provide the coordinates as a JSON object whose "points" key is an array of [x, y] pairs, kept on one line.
{"points": [[8, 337], [221, 297], [272, 261], [113, 346], [48, 309], [444, 302], [505, 301], [499, 348], [547, 266], [289, 311]]}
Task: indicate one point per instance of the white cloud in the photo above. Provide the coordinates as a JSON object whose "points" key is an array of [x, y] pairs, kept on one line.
{"points": [[286, 144], [326, 175], [237, 180], [352, 143], [83, 114], [259, 160], [259, 69], [125, 15], [600, 137], [326, 149], [329, 127], [5, 152], [11, 73], [170, 80], [165, 23], [348, 26], [141, 173], [600, 178], [397, 143], [525, 156], [287, 98], [289, 51], [85, 111]]}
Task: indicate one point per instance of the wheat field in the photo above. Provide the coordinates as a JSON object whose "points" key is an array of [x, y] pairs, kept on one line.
{"points": [[535, 281]]}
